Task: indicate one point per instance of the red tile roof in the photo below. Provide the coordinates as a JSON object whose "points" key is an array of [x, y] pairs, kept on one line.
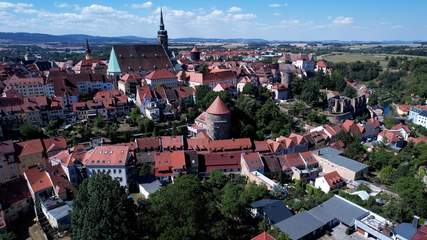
{"points": [[148, 143], [291, 160], [112, 155], [333, 178], [172, 142], [30, 147], [218, 107], [38, 179], [263, 236], [272, 162], [55, 144], [166, 162], [347, 125], [253, 160], [60, 179], [262, 146], [202, 144], [160, 74], [421, 233], [224, 160], [400, 126]]}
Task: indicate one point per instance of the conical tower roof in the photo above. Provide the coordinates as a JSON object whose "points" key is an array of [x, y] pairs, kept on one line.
{"points": [[113, 64], [218, 107], [195, 49]]}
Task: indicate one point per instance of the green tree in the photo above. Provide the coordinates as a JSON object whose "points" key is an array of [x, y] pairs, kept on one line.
{"points": [[387, 175], [28, 131], [102, 211], [392, 63], [7, 236], [180, 211], [99, 122], [349, 92]]}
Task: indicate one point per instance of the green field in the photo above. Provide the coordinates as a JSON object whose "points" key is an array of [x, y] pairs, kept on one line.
{"points": [[353, 57]]}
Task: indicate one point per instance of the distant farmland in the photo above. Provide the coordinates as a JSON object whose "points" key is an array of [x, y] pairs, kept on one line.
{"points": [[353, 57]]}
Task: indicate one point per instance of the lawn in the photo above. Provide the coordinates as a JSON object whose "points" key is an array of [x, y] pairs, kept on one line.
{"points": [[353, 57]]}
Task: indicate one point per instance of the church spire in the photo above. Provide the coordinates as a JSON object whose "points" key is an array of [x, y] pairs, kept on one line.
{"points": [[88, 51], [162, 34], [162, 25]]}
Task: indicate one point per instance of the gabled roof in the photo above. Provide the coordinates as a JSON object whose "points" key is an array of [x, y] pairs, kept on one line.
{"points": [[299, 225], [218, 107], [253, 160], [166, 162], [38, 179], [275, 210], [160, 74], [148, 143], [401, 126], [334, 156], [137, 57], [30, 147], [112, 155], [263, 236], [332, 178], [172, 142], [337, 207]]}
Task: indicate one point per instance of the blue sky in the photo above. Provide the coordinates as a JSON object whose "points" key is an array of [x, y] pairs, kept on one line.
{"points": [[268, 19]]}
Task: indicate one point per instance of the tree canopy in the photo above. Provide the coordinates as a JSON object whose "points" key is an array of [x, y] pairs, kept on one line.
{"points": [[102, 211]]}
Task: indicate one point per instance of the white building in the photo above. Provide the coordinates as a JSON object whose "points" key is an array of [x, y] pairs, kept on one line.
{"points": [[112, 160], [328, 181], [161, 77], [418, 115], [149, 188], [57, 213], [29, 86]]}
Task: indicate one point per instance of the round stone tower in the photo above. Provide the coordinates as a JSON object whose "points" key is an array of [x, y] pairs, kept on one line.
{"points": [[218, 120], [195, 54]]}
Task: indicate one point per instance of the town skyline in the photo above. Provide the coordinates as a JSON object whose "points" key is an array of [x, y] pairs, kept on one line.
{"points": [[271, 20]]}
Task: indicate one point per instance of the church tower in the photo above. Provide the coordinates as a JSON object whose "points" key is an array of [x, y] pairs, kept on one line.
{"points": [[162, 34], [88, 52]]}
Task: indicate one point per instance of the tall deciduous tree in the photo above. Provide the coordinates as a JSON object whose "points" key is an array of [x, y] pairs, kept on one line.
{"points": [[102, 211]]}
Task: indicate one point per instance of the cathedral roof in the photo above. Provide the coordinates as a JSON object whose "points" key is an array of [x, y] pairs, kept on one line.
{"points": [[218, 107]]}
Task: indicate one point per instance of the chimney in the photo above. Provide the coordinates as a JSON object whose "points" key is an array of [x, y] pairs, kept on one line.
{"points": [[415, 222]]}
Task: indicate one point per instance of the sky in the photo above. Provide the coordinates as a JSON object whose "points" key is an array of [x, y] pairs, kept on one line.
{"points": [[292, 20]]}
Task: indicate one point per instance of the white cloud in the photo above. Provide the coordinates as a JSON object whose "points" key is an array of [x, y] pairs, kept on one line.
{"points": [[64, 5], [276, 14], [145, 5], [278, 5], [245, 17], [396, 26], [234, 9], [343, 20]]}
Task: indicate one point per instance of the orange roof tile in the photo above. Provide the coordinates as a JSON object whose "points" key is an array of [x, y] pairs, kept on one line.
{"points": [[160, 74], [107, 155], [332, 178], [30, 147], [38, 179]]}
